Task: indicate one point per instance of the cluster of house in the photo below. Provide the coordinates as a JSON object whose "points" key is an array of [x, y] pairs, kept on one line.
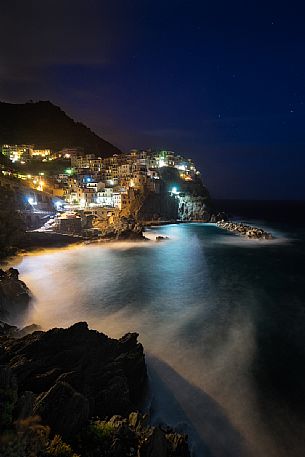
{"points": [[24, 153], [113, 181], [95, 182]]}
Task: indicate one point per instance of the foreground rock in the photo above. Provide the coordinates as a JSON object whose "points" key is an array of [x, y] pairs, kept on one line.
{"points": [[76, 373], [75, 379], [12, 331], [161, 238], [245, 230], [14, 295]]}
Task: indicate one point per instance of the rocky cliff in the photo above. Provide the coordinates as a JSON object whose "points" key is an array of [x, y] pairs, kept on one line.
{"points": [[75, 379], [161, 206], [190, 200], [194, 208]]}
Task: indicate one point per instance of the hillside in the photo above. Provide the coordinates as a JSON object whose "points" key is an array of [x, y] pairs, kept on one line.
{"points": [[47, 126]]}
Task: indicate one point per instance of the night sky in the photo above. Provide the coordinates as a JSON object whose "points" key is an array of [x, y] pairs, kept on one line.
{"points": [[222, 82]]}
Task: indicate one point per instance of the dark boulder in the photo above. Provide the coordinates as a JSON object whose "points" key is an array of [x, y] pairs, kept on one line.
{"points": [[14, 295], [62, 408], [76, 373], [161, 238], [154, 444], [7, 330], [8, 395]]}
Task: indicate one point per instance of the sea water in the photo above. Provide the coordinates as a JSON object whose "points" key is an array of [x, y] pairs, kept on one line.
{"points": [[221, 318]]}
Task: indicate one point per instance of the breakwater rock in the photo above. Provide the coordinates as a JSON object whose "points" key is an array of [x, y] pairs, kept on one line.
{"points": [[14, 294], [245, 230]]}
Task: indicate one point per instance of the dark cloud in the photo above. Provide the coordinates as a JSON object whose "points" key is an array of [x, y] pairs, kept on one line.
{"points": [[37, 36]]}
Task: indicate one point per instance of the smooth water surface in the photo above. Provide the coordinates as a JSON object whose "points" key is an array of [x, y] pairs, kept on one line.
{"points": [[222, 321]]}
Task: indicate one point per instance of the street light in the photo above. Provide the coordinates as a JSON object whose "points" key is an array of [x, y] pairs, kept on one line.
{"points": [[32, 201]]}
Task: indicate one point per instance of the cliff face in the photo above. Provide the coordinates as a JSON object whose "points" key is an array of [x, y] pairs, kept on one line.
{"points": [[194, 208], [47, 126], [189, 201], [158, 206]]}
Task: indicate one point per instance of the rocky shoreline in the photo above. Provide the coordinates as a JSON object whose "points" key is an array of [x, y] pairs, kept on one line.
{"points": [[248, 231], [77, 390], [123, 230]]}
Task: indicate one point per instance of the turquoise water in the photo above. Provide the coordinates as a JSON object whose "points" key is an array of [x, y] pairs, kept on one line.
{"points": [[222, 321]]}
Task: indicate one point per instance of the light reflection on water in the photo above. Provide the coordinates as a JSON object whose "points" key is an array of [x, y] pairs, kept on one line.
{"points": [[198, 302]]}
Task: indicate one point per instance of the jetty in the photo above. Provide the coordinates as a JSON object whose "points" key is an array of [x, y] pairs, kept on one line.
{"points": [[245, 230]]}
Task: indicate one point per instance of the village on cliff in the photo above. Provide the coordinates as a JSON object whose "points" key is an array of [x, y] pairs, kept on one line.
{"points": [[71, 192]]}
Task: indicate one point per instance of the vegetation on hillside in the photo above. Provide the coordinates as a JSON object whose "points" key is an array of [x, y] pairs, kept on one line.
{"points": [[47, 126]]}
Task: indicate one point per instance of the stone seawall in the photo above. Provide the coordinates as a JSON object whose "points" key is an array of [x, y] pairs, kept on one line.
{"points": [[245, 230]]}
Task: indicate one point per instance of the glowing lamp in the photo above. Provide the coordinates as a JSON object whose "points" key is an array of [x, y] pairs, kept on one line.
{"points": [[58, 205], [31, 201]]}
